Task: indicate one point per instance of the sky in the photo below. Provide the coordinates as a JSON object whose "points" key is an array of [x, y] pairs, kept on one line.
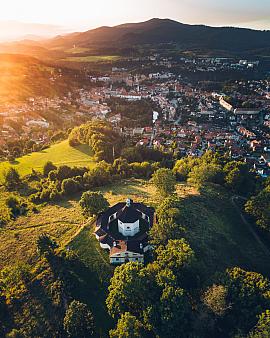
{"points": [[60, 16]]}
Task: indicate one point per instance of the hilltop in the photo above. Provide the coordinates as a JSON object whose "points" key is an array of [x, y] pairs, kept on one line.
{"points": [[213, 228]]}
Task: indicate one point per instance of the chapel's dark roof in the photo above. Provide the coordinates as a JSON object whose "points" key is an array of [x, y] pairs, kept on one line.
{"points": [[107, 239], [100, 232], [135, 209], [128, 214], [135, 246]]}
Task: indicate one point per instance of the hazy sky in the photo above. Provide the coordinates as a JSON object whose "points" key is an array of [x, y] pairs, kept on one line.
{"points": [[84, 14]]}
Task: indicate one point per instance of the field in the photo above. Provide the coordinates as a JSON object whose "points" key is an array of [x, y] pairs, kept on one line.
{"points": [[77, 50], [92, 58], [60, 154], [213, 225]]}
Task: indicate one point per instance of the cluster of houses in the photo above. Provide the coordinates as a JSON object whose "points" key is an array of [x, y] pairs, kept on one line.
{"points": [[190, 119]]}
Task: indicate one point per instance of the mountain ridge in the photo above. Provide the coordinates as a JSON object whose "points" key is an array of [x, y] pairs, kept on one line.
{"points": [[158, 31], [154, 32]]}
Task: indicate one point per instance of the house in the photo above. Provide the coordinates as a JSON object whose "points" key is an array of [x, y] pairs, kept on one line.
{"points": [[265, 158], [123, 230], [225, 104]]}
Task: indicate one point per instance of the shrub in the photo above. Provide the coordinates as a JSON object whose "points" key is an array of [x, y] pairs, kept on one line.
{"points": [[48, 167], [92, 203], [12, 179], [164, 181], [70, 186], [78, 321]]}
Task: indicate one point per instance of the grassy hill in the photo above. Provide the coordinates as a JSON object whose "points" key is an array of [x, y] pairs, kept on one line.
{"points": [[213, 225], [60, 154]]}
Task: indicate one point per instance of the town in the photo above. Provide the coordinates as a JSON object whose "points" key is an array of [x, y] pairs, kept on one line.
{"points": [[187, 117]]}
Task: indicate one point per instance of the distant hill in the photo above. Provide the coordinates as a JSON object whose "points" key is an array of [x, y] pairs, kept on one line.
{"points": [[16, 30], [24, 76], [160, 31]]}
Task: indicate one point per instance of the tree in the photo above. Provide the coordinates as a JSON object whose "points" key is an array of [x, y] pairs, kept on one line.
{"points": [[169, 215], [70, 186], [128, 326], [48, 166], [206, 173], [45, 245], [164, 181], [177, 254], [162, 231], [126, 291], [170, 210], [14, 281], [262, 328], [239, 178], [12, 179], [175, 313], [248, 294], [215, 298], [15, 334], [183, 167], [78, 321], [93, 203], [259, 207]]}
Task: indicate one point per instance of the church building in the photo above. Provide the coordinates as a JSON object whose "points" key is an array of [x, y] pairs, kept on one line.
{"points": [[123, 230]]}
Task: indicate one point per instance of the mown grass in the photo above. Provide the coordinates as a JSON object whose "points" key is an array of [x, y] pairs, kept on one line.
{"points": [[60, 154], [92, 58]]}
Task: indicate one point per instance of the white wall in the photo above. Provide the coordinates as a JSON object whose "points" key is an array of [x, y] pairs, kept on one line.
{"points": [[129, 229]]}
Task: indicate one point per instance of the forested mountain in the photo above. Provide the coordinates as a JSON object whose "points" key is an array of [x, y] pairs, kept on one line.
{"points": [[157, 31]]}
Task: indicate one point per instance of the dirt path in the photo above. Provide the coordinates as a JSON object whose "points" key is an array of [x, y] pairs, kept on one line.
{"points": [[76, 233], [249, 226]]}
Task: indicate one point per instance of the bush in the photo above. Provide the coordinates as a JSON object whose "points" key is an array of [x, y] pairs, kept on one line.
{"points": [[164, 181], [16, 206], [14, 281], [78, 321], [48, 167], [93, 203], [12, 179], [70, 186]]}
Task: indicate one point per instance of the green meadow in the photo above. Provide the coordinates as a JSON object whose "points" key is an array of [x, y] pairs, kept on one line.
{"points": [[60, 154]]}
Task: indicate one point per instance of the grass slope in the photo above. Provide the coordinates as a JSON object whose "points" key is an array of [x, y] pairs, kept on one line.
{"points": [[213, 225], [60, 154], [18, 238], [218, 235]]}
